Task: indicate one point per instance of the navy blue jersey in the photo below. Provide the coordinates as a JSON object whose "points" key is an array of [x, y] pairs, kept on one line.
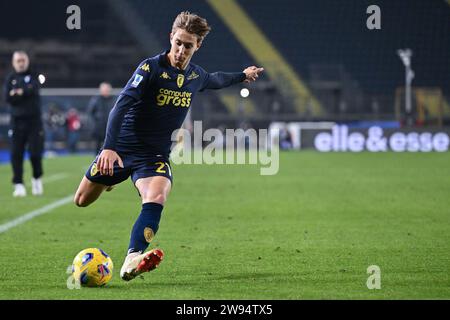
{"points": [[155, 102]]}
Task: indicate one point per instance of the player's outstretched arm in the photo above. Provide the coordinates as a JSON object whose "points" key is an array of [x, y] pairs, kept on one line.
{"points": [[219, 80]]}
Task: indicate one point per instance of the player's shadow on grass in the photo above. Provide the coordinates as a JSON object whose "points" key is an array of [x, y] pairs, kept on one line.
{"points": [[155, 283], [138, 284]]}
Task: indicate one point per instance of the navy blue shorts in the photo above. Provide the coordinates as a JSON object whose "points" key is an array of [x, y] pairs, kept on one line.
{"points": [[135, 166]]}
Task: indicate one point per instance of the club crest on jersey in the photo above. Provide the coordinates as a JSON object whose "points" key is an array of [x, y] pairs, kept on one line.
{"points": [[180, 80], [145, 67], [94, 169], [137, 79]]}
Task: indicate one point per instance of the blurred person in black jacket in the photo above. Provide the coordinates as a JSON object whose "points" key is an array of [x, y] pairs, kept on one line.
{"points": [[54, 124], [98, 110], [21, 92]]}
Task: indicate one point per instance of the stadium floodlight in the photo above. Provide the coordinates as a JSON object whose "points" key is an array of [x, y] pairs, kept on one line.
{"points": [[245, 93], [405, 55], [41, 79]]}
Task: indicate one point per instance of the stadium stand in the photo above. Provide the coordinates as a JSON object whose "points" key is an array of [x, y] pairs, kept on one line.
{"points": [[313, 71]]}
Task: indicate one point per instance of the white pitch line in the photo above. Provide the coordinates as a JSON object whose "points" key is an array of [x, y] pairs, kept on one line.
{"points": [[35, 213], [55, 177]]}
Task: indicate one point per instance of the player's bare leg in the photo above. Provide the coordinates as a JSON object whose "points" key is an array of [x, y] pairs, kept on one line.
{"points": [[88, 192], [153, 190]]}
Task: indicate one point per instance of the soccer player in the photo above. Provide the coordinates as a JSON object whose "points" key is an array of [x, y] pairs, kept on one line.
{"points": [[152, 105], [21, 91]]}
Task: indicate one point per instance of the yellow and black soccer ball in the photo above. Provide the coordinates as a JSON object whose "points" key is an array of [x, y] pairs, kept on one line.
{"points": [[92, 267]]}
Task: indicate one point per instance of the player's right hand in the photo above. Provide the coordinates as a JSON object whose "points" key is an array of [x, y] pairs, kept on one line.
{"points": [[106, 160]]}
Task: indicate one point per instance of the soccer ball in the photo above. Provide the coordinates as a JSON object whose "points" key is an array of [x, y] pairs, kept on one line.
{"points": [[92, 268]]}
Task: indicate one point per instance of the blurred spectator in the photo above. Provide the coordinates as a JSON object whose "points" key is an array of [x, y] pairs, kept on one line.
{"points": [[54, 121], [285, 139], [98, 110], [73, 127], [21, 92]]}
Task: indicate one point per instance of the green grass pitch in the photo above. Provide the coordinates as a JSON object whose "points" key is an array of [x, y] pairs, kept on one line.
{"points": [[309, 232]]}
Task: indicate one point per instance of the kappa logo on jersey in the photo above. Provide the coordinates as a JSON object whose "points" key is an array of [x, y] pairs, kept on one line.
{"points": [[180, 80], [193, 76], [137, 79], [164, 75], [145, 67]]}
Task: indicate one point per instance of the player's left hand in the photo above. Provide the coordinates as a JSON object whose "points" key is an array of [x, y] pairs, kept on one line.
{"points": [[252, 73]]}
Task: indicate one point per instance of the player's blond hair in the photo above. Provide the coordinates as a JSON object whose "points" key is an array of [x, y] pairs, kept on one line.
{"points": [[192, 23]]}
